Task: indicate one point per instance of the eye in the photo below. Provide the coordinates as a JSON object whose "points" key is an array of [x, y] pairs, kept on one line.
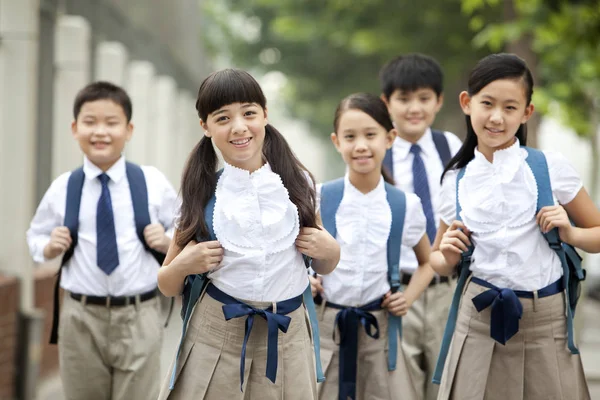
{"points": [[221, 118], [511, 108], [348, 136], [425, 99], [249, 113], [371, 134], [486, 103]]}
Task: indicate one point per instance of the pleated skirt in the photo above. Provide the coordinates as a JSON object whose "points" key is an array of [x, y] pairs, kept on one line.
{"points": [[535, 364], [209, 364], [373, 381]]}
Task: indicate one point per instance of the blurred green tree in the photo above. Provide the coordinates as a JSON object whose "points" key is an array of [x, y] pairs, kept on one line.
{"points": [[331, 48]]}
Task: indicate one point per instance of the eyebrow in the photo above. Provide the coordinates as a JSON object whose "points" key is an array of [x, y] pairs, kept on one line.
{"points": [[247, 105], [487, 96]]}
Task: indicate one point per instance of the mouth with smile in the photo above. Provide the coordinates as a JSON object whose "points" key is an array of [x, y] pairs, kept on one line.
{"points": [[494, 131], [100, 145], [241, 143], [362, 159]]}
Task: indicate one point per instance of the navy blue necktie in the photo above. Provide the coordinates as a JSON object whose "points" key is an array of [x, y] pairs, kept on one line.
{"points": [[106, 237], [421, 187]]}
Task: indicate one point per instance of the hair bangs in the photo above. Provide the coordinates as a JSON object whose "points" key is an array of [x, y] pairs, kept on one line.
{"points": [[225, 87]]}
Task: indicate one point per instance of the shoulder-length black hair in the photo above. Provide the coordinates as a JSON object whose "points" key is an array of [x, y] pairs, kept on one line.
{"points": [[487, 70], [199, 178], [372, 106]]}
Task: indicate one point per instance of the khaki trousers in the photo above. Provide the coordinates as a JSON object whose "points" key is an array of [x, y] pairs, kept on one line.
{"points": [[422, 332], [110, 353]]}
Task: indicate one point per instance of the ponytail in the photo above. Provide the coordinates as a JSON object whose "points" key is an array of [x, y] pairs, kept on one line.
{"points": [[198, 184], [293, 174]]}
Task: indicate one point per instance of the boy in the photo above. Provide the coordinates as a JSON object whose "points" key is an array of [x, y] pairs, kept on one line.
{"points": [[107, 219], [412, 88]]}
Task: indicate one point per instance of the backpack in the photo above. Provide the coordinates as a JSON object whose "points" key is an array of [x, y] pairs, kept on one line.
{"points": [[194, 285], [139, 200], [331, 197], [573, 272], [441, 145]]}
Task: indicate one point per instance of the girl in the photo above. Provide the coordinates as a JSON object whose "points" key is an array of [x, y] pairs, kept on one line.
{"points": [[264, 221], [359, 291], [516, 345]]}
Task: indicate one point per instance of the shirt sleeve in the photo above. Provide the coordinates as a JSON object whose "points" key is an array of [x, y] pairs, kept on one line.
{"points": [[453, 142], [565, 180], [168, 200], [447, 208], [415, 223], [46, 218]]}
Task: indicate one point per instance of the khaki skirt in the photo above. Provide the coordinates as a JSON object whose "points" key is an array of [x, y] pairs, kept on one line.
{"points": [[535, 364], [373, 380], [209, 363]]}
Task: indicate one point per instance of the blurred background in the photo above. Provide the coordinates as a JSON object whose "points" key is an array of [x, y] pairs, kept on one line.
{"points": [[307, 54]]}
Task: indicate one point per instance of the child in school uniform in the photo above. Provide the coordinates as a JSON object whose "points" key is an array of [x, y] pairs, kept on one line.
{"points": [[412, 88], [109, 221], [248, 336], [513, 332], [367, 213]]}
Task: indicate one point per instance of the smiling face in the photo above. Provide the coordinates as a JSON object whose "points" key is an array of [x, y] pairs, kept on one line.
{"points": [[497, 111], [413, 111], [102, 130], [238, 131], [362, 142]]}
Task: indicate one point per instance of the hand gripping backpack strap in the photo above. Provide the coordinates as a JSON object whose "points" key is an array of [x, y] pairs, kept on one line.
{"points": [[71, 221], [194, 285], [453, 312], [443, 148], [539, 166], [397, 201]]}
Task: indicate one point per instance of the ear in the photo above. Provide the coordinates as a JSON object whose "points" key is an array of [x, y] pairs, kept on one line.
{"points": [[384, 99], [129, 132], [74, 129], [335, 140], [204, 128], [266, 113], [528, 113], [440, 103], [465, 102], [390, 137]]}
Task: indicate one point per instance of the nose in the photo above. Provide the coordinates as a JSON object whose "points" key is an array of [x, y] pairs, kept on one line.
{"points": [[360, 145], [496, 116], [413, 106], [238, 125]]}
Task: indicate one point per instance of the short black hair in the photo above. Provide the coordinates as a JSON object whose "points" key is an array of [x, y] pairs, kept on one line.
{"points": [[102, 90], [411, 72]]}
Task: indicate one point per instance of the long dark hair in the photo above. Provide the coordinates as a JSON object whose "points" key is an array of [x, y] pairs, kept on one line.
{"points": [[372, 106], [199, 180], [487, 70]]}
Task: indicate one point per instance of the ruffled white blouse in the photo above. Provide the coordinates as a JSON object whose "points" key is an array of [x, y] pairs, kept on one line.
{"points": [[498, 202], [363, 223], [257, 225]]}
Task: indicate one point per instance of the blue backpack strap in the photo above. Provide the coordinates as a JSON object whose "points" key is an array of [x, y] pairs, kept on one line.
{"points": [[71, 221], [139, 199], [397, 201], [331, 197], [463, 276], [539, 166], [388, 161], [309, 303], [442, 146]]}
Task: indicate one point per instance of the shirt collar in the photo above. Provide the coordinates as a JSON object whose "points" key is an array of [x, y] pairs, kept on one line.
{"points": [[350, 189], [115, 173], [402, 146]]}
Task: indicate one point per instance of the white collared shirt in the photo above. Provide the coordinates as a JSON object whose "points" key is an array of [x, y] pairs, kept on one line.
{"points": [[403, 178], [498, 202], [363, 223], [137, 270], [257, 224]]}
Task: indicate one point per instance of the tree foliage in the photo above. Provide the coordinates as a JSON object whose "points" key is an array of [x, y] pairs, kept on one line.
{"points": [[331, 48]]}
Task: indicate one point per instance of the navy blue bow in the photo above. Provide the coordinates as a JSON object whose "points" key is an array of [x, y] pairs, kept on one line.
{"points": [[507, 310], [275, 322], [347, 320]]}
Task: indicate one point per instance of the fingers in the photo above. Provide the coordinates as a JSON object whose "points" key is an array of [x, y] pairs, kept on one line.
{"points": [[456, 224], [451, 248], [454, 242]]}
